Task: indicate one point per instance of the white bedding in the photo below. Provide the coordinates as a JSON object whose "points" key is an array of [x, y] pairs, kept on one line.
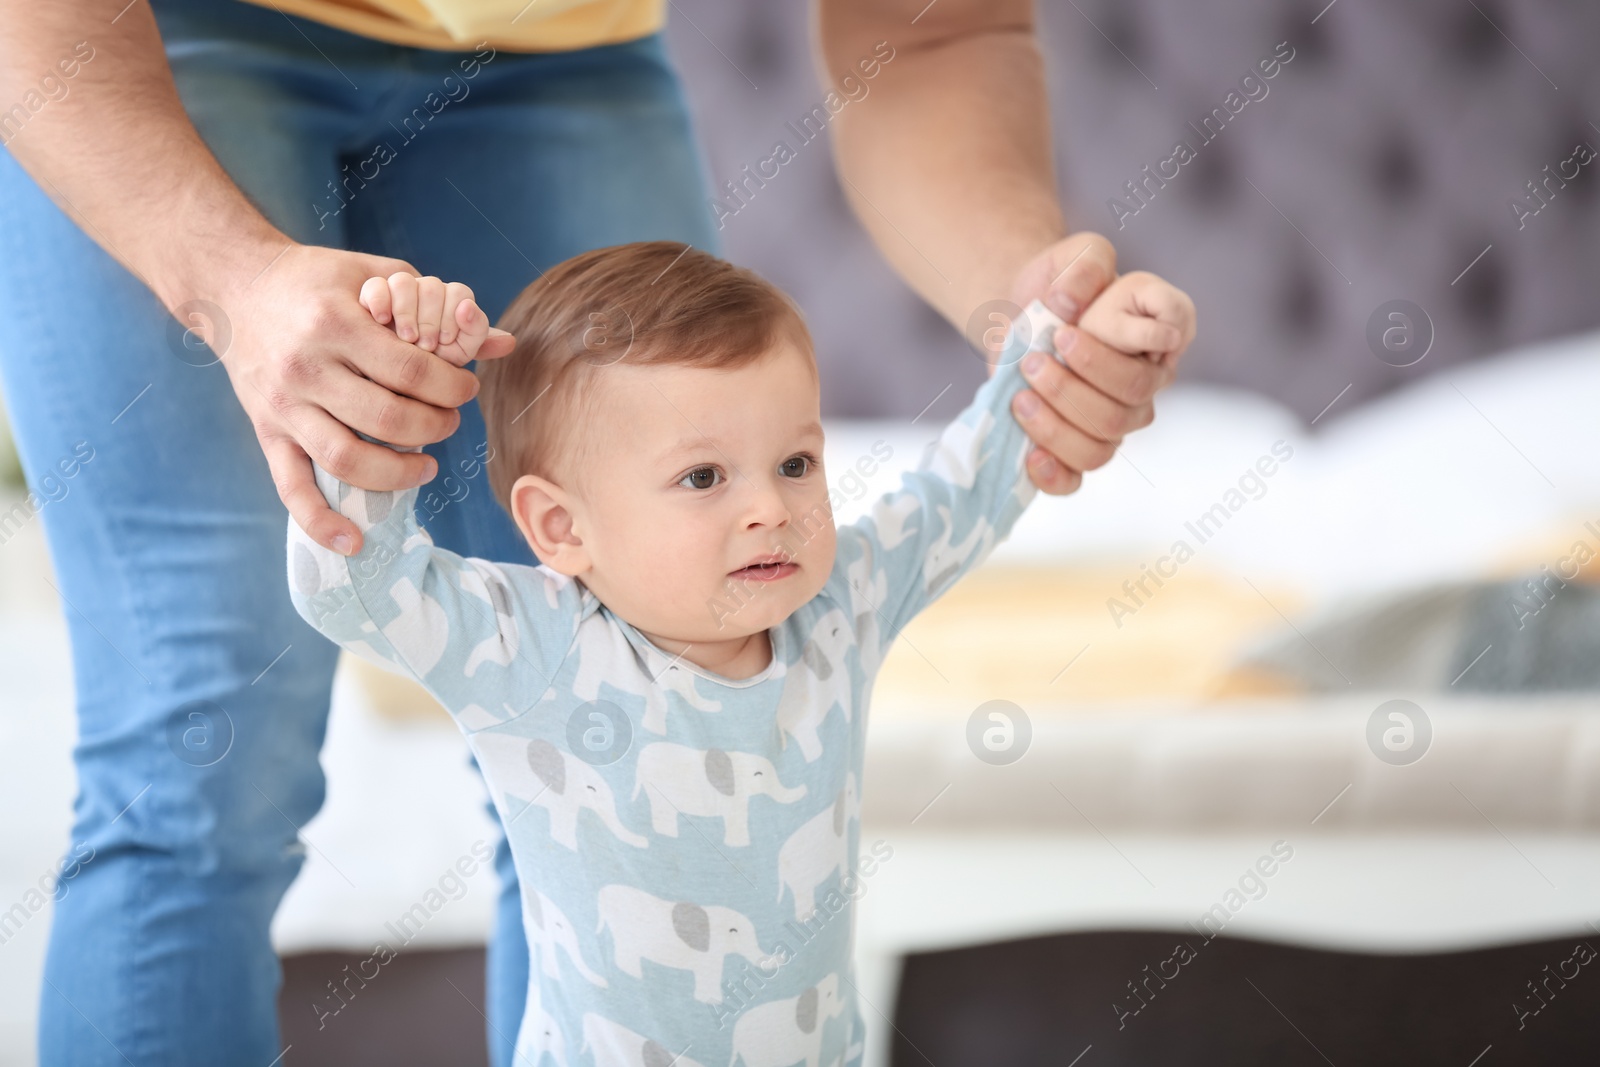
{"points": [[1444, 478]]}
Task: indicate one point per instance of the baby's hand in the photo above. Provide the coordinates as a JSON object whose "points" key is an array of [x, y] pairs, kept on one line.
{"points": [[438, 317], [1141, 314]]}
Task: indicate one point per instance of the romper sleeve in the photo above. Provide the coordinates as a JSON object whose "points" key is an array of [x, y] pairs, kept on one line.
{"points": [[948, 514], [483, 638]]}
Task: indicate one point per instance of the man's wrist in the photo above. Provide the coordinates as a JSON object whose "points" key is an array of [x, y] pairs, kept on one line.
{"points": [[217, 267]]}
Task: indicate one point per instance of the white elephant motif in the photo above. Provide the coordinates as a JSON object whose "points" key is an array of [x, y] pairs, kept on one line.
{"points": [[487, 580], [957, 454], [780, 1032], [567, 785], [711, 783], [544, 1035], [421, 630], [945, 559], [547, 929], [817, 849], [809, 691], [683, 935], [614, 1045], [890, 516], [869, 590], [601, 647]]}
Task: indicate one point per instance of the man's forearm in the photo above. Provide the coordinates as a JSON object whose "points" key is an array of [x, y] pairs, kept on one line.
{"points": [[947, 161], [117, 152]]}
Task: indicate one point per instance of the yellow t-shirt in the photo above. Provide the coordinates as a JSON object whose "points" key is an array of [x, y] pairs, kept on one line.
{"points": [[461, 25]]}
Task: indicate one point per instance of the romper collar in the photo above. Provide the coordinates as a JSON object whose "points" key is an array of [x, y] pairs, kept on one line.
{"points": [[657, 661]]}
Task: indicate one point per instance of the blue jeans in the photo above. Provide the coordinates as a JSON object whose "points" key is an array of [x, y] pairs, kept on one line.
{"points": [[202, 697]]}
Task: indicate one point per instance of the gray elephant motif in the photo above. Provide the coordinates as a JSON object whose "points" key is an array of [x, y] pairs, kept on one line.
{"points": [[566, 785], [614, 1045], [689, 781], [502, 646], [682, 935], [780, 1032]]}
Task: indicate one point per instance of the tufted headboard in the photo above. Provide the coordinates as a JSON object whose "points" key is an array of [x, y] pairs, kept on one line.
{"points": [[1381, 162]]}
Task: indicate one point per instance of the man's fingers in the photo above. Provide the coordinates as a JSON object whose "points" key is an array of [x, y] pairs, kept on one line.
{"points": [[335, 448], [1045, 471], [1088, 263], [1084, 406], [1070, 446], [297, 488], [395, 419], [375, 298], [430, 311], [408, 370], [498, 343], [1069, 274], [1131, 380], [403, 299]]}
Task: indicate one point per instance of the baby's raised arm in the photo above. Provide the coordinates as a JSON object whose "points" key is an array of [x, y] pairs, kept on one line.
{"points": [[971, 488], [483, 637], [913, 544]]}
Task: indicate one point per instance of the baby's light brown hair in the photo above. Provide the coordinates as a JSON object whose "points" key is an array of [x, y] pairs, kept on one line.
{"points": [[646, 303]]}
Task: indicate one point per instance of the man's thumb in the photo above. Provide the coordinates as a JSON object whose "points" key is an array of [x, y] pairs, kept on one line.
{"points": [[498, 343]]}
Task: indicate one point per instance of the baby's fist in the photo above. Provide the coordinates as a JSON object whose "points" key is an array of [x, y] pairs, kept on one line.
{"points": [[1141, 313], [438, 317]]}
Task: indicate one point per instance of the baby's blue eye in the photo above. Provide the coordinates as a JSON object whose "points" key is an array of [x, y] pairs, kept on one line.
{"points": [[701, 478]]}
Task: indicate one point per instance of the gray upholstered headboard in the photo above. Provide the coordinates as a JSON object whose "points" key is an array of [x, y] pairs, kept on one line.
{"points": [[1379, 163]]}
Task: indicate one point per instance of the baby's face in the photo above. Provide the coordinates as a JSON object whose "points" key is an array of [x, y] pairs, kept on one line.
{"points": [[695, 474]]}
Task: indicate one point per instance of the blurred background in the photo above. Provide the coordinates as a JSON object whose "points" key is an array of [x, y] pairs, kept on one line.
{"points": [[1374, 672]]}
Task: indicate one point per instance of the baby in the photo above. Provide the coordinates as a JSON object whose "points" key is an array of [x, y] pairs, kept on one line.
{"points": [[669, 710]]}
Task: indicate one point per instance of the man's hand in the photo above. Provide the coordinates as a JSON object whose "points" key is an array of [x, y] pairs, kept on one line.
{"points": [[1102, 393], [949, 166], [311, 367], [308, 364]]}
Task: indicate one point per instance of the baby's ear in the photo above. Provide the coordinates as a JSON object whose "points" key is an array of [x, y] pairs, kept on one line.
{"points": [[542, 510]]}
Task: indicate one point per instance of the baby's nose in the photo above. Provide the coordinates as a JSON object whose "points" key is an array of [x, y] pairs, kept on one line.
{"points": [[767, 507]]}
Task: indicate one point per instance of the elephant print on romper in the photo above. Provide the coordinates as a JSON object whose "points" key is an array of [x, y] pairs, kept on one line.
{"points": [[818, 849], [682, 935], [783, 1032], [687, 888], [714, 783]]}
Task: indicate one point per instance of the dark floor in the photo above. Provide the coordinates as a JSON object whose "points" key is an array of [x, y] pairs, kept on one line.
{"points": [[419, 1009], [1241, 1003], [1045, 1001]]}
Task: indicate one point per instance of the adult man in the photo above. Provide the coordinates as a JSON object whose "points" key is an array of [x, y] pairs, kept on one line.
{"points": [[212, 169]]}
